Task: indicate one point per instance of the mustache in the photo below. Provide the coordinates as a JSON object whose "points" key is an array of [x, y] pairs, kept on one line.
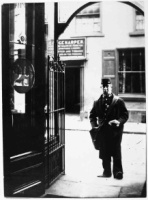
{"points": [[105, 92]]}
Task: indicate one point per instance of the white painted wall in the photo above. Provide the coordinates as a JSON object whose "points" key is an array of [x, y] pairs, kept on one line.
{"points": [[117, 23]]}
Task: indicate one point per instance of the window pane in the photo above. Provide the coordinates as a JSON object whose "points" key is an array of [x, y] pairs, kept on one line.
{"points": [[137, 83], [85, 24], [138, 60], [125, 60], [96, 24], [132, 83], [95, 8]]}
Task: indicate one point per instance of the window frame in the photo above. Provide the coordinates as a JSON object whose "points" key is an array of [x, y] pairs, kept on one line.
{"points": [[130, 96], [137, 20], [92, 33], [136, 33]]}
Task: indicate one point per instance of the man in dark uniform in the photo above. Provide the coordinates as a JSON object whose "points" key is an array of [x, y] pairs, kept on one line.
{"points": [[109, 113]]}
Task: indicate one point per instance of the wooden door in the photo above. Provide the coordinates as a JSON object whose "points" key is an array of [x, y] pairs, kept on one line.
{"points": [[23, 95]]}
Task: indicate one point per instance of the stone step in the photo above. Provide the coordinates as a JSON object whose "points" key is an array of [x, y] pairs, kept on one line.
{"points": [[137, 115]]}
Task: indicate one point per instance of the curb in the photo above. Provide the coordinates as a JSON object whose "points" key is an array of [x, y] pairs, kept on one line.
{"points": [[125, 132]]}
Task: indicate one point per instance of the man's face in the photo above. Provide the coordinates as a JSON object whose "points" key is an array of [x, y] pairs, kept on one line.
{"points": [[107, 89]]}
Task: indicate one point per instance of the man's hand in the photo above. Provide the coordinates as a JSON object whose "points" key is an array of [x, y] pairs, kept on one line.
{"points": [[114, 123], [96, 127]]}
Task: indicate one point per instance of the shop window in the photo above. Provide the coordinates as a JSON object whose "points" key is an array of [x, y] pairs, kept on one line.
{"points": [[131, 71], [89, 20]]}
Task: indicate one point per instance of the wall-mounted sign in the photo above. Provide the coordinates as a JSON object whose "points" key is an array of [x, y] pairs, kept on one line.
{"points": [[71, 47], [22, 75], [68, 49]]}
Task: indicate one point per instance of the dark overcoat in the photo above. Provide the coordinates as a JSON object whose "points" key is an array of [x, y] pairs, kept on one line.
{"points": [[111, 136]]}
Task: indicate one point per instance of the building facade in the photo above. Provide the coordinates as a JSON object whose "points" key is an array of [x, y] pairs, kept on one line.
{"points": [[102, 40], [113, 46]]}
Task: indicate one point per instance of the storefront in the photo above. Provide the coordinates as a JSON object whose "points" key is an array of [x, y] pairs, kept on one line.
{"points": [[33, 103]]}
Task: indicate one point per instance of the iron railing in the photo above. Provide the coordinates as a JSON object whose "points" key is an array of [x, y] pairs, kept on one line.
{"points": [[55, 121]]}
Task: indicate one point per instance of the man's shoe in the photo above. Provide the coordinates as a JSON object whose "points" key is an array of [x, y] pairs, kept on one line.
{"points": [[106, 174], [118, 175]]}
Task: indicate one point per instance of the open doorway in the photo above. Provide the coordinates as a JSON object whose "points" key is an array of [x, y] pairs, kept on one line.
{"points": [[72, 90]]}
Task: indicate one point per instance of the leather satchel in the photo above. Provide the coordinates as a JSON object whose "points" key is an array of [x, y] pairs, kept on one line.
{"points": [[95, 136]]}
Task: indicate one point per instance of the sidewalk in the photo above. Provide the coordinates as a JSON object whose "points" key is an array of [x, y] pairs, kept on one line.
{"points": [[73, 122], [83, 165]]}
